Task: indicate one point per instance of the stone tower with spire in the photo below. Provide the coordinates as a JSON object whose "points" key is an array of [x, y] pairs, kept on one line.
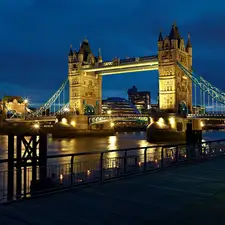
{"points": [[175, 88], [85, 89]]}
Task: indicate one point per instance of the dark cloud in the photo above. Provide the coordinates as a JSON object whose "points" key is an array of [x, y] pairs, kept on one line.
{"points": [[36, 34]]}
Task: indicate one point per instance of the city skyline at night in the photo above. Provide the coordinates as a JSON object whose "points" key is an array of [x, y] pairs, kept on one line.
{"points": [[36, 35]]}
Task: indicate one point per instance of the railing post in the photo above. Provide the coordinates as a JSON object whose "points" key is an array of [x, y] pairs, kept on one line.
{"points": [[25, 179], [176, 153], [200, 150], [43, 143], [145, 158], [34, 159], [101, 167], [71, 170], [210, 147], [10, 185], [125, 161], [162, 157], [18, 167]]}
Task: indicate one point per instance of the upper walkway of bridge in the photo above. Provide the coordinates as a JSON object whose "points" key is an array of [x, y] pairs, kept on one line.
{"points": [[117, 66], [189, 194]]}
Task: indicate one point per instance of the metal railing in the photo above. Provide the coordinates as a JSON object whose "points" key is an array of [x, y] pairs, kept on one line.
{"points": [[68, 170], [213, 115]]}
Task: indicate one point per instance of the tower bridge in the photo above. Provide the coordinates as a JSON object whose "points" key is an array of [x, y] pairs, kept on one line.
{"points": [[175, 89], [179, 87]]}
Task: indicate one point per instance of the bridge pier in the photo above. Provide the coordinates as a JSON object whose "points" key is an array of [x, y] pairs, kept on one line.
{"points": [[34, 155]]}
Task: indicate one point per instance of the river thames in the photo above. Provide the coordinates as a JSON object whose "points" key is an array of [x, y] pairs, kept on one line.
{"points": [[119, 141]]}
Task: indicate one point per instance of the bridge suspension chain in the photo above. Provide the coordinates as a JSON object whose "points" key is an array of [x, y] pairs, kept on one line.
{"points": [[52, 101], [217, 96]]}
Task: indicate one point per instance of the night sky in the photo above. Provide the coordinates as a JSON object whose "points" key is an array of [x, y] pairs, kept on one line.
{"points": [[36, 35]]}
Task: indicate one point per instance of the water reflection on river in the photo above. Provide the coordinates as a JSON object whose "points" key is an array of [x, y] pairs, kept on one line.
{"points": [[90, 144]]}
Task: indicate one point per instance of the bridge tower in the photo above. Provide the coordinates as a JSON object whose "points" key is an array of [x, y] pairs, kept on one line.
{"points": [[85, 89], [175, 88]]}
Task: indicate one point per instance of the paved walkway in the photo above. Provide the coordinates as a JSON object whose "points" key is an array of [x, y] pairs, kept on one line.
{"points": [[191, 194]]}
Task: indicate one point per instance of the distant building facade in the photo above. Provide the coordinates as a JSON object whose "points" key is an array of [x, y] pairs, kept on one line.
{"points": [[141, 99], [154, 108], [14, 104], [118, 106]]}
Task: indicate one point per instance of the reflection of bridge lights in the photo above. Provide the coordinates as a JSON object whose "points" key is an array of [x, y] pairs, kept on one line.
{"points": [[111, 159], [112, 124], [112, 156], [73, 123], [112, 142], [64, 120], [142, 143], [61, 178]]}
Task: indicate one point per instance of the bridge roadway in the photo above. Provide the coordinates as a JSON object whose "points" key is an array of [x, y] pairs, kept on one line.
{"points": [[189, 194], [108, 117]]}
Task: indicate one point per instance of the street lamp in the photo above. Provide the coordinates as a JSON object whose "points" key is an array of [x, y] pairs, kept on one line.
{"points": [[109, 112], [36, 126]]}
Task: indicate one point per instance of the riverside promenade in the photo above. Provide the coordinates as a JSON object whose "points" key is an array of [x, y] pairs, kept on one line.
{"points": [[189, 194]]}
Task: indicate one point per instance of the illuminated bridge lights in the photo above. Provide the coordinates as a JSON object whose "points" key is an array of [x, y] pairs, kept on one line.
{"points": [[100, 119], [210, 116]]}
